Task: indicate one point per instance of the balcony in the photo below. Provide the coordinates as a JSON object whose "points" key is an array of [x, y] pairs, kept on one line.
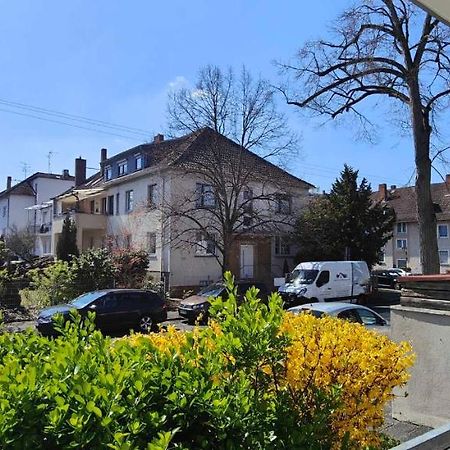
{"points": [[83, 221], [44, 228]]}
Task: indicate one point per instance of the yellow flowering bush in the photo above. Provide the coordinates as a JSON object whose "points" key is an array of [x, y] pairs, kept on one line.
{"points": [[328, 352]]}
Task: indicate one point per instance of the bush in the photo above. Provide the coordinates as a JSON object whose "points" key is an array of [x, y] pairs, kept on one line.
{"points": [[233, 385], [130, 267], [92, 270], [51, 285]]}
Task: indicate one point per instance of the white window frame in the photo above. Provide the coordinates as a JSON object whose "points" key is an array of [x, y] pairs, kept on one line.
{"points": [[282, 246], [139, 161], [383, 255], [284, 204], [402, 227], [445, 262], [151, 243], [401, 266], [122, 168], [206, 197], [129, 200], [401, 247], [151, 195], [108, 173], [205, 245], [441, 226]]}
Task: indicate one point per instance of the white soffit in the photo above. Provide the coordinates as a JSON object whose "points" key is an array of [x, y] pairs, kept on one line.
{"points": [[438, 8]]}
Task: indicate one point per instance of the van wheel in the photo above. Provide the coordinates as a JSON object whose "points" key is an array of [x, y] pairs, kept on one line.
{"points": [[361, 300], [313, 300], [397, 286]]}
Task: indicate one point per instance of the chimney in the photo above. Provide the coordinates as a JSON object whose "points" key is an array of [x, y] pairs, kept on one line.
{"points": [[80, 171], [103, 155], [65, 174], [382, 191], [447, 179], [158, 138], [8, 183]]}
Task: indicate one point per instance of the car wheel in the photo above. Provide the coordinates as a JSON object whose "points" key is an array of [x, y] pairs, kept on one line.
{"points": [[397, 286], [146, 324]]}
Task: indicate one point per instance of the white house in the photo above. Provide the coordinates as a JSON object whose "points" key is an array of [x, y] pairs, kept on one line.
{"points": [[130, 203]]}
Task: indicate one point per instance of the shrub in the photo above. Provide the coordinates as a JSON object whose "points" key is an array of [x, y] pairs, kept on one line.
{"points": [[92, 270], [51, 285], [233, 385], [130, 267]]}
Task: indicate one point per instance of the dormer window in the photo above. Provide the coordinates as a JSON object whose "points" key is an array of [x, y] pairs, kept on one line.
{"points": [[108, 173], [139, 162], [122, 168]]}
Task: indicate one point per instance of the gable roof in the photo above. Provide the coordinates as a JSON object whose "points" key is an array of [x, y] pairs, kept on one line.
{"points": [[403, 201], [25, 187], [190, 150]]}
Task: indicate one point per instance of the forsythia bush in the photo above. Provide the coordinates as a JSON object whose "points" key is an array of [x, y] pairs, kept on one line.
{"points": [[256, 378]]}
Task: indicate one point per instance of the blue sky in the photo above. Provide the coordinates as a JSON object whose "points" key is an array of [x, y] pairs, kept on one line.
{"points": [[115, 61]]}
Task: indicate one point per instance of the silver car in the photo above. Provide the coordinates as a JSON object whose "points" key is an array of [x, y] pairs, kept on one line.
{"points": [[353, 313]]}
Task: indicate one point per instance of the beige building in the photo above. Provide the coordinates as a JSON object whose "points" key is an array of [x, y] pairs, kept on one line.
{"points": [[403, 250], [156, 197]]}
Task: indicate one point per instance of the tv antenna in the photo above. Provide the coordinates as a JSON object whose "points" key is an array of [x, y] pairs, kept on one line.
{"points": [[25, 168], [49, 160]]}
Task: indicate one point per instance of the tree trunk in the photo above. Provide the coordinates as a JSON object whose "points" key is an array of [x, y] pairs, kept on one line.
{"points": [[227, 243], [425, 208]]}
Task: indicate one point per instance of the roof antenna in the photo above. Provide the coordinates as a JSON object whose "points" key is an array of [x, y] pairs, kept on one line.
{"points": [[25, 168], [49, 159]]}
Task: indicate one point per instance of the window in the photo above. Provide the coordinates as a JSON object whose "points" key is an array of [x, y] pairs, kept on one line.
{"points": [[139, 162], [122, 168], [103, 210], [205, 196], [401, 263], [205, 245], [282, 246], [402, 227], [368, 317], [443, 257], [323, 278], [247, 221], [110, 210], [349, 314], [443, 231], [129, 201], [283, 204], [401, 244], [108, 173], [117, 204], [92, 206], [248, 200], [382, 255], [151, 243], [151, 195]]}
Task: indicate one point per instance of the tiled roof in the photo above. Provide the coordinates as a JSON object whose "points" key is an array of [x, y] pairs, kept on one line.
{"points": [[190, 150], [403, 201]]}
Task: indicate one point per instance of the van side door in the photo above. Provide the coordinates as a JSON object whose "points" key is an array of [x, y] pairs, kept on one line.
{"points": [[324, 287]]}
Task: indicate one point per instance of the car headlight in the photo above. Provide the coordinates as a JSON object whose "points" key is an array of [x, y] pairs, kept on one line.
{"points": [[199, 306]]}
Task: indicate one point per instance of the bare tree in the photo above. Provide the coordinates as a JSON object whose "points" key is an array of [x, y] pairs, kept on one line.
{"points": [[386, 48], [237, 193], [20, 243]]}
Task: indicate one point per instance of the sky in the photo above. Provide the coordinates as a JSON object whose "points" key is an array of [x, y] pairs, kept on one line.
{"points": [[115, 61]]}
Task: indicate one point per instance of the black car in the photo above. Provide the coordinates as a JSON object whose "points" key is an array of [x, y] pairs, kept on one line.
{"points": [[386, 278], [192, 307], [115, 309]]}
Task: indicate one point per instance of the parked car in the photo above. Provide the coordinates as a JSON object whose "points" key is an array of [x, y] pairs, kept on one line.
{"points": [[353, 313], [192, 307], [115, 309], [325, 281], [386, 278]]}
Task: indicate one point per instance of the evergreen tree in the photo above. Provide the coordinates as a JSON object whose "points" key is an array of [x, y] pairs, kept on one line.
{"points": [[345, 224], [67, 248]]}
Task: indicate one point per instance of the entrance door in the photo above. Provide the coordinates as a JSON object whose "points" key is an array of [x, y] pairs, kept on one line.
{"points": [[247, 261]]}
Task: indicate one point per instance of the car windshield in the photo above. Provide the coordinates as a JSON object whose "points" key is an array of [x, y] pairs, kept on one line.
{"points": [[313, 312], [214, 290], [304, 276], [85, 299]]}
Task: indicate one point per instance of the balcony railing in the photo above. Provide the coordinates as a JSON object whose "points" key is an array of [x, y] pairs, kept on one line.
{"points": [[43, 228]]}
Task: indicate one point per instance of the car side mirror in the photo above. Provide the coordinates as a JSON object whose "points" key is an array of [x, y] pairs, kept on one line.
{"points": [[93, 306]]}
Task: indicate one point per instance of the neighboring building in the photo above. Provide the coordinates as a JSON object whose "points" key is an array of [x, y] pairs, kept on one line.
{"points": [[22, 205], [403, 250], [127, 204]]}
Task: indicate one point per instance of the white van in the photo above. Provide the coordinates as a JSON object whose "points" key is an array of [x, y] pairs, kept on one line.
{"points": [[326, 281]]}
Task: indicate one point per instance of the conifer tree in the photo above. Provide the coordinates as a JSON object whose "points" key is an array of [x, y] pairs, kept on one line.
{"points": [[67, 248]]}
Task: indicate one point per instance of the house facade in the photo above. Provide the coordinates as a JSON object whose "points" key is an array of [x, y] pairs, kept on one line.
{"points": [[27, 205], [403, 249], [154, 197]]}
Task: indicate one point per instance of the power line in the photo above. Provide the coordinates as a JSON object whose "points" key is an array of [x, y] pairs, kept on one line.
{"points": [[74, 117], [135, 138]]}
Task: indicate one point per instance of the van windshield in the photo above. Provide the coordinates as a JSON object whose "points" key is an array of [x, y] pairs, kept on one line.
{"points": [[214, 290], [302, 276]]}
